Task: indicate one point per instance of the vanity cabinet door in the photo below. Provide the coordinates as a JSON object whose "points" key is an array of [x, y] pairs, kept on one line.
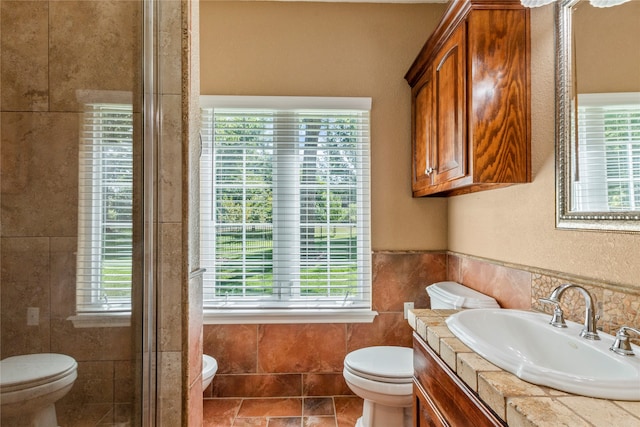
{"points": [[443, 399], [425, 414]]}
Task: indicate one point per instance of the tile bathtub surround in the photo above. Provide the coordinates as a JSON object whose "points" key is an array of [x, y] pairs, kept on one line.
{"points": [[304, 360], [518, 402]]}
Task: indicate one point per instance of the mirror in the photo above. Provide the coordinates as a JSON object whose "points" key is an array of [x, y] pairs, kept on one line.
{"points": [[598, 115]]}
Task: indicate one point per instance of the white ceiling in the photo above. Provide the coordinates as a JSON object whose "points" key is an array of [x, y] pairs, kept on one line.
{"points": [[353, 1]]}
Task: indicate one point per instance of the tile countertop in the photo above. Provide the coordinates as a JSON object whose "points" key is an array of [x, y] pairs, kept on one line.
{"points": [[519, 403]]}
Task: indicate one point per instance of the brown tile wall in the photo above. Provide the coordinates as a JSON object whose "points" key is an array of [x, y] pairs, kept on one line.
{"points": [[521, 287], [510, 286], [306, 359]]}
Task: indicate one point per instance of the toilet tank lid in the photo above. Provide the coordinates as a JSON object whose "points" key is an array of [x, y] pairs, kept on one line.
{"points": [[34, 368], [460, 296]]}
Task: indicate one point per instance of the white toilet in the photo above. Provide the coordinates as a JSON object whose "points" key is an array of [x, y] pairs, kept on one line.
{"points": [[209, 369], [382, 376], [31, 384]]}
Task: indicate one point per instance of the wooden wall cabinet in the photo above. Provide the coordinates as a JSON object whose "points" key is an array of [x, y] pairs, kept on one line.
{"points": [[470, 95], [441, 398]]}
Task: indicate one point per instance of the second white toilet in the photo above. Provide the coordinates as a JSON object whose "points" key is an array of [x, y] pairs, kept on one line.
{"points": [[382, 376], [209, 369], [30, 386]]}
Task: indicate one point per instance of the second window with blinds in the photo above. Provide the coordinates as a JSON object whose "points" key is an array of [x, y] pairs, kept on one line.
{"points": [[285, 210]]}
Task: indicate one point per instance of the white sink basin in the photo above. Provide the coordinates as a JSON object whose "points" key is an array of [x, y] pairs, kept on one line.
{"points": [[524, 344]]}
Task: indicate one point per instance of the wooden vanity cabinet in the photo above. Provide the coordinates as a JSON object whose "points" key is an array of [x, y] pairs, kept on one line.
{"points": [[441, 398], [470, 95]]}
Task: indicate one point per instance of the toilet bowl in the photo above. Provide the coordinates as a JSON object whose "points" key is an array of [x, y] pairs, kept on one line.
{"points": [[382, 376], [209, 368], [30, 385]]}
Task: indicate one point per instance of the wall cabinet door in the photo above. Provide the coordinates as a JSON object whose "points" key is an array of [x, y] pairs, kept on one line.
{"points": [[423, 137], [449, 155]]}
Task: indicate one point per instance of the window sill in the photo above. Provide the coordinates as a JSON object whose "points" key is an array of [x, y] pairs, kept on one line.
{"points": [[101, 320], [226, 317], [255, 316]]}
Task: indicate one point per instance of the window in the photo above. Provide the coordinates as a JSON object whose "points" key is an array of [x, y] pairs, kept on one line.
{"points": [[105, 209], [607, 174], [285, 204]]}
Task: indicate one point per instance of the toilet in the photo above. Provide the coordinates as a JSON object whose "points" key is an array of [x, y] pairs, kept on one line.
{"points": [[209, 369], [31, 384], [382, 375]]}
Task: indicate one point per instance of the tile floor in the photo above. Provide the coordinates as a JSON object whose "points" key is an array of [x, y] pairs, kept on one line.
{"points": [[335, 411]]}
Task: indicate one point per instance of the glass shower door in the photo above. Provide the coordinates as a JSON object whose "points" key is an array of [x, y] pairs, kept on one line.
{"points": [[77, 116]]}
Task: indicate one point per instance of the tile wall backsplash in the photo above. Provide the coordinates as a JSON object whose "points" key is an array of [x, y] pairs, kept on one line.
{"points": [[521, 287], [620, 306], [285, 360]]}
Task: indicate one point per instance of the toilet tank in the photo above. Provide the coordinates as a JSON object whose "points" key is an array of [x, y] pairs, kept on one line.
{"points": [[453, 295]]}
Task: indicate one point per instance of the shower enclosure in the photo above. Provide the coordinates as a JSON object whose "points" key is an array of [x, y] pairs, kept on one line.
{"points": [[95, 124]]}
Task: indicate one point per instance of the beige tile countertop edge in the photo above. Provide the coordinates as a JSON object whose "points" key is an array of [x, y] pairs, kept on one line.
{"points": [[517, 402]]}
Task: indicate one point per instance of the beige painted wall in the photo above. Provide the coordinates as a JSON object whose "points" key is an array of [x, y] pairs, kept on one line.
{"points": [[517, 224], [331, 49], [606, 47], [256, 48]]}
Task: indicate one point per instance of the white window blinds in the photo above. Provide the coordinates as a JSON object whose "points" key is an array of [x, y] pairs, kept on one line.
{"points": [[607, 172], [105, 209], [285, 203]]}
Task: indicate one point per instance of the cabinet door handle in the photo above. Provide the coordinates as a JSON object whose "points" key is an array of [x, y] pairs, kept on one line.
{"points": [[428, 171]]}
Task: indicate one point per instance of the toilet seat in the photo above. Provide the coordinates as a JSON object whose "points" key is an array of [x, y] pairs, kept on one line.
{"points": [[29, 371], [386, 364]]}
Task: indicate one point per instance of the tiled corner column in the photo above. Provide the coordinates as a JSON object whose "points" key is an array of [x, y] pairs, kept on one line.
{"points": [[173, 302], [180, 282], [192, 345], [517, 402]]}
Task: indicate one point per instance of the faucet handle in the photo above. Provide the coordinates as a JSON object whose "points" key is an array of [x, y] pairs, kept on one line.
{"points": [[558, 315], [622, 345]]}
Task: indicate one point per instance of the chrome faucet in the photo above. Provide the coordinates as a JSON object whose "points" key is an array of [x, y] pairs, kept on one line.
{"points": [[621, 345], [589, 331]]}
